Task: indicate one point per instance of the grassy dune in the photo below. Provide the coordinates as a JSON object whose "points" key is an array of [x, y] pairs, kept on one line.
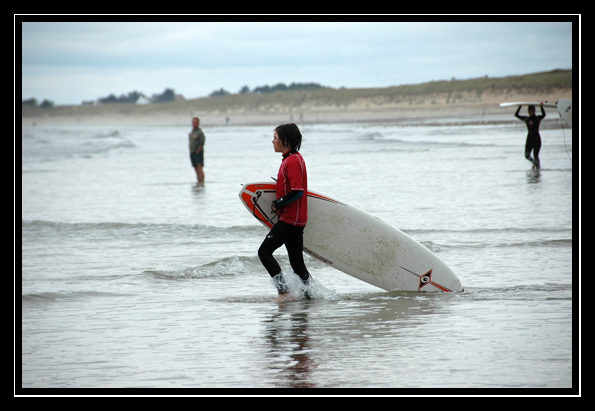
{"points": [[434, 96]]}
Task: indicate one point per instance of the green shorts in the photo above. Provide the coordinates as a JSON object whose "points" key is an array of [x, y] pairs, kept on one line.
{"points": [[197, 159]]}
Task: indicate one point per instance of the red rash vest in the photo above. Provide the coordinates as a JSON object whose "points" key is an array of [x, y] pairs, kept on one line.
{"points": [[292, 176]]}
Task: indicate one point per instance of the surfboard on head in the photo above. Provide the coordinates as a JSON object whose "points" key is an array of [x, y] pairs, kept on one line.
{"points": [[564, 107], [358, 244]]}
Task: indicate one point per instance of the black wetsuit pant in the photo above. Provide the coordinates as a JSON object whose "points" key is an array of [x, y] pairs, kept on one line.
{"points": [[533, 144], [292, 237]]}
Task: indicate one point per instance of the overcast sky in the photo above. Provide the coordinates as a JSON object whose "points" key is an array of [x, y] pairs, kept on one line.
{"points": [[71, 62]]}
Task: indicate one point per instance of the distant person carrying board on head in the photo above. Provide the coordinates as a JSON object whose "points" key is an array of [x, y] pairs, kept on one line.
{"points": [[533, 142], [291, 206], [196, 142]]}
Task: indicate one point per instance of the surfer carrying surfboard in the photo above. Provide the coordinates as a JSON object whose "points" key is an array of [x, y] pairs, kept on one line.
{"points": [[291, 206], [533, 142]]}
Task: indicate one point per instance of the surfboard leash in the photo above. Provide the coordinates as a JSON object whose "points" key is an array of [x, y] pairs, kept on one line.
{"points": [[564, 134], [254, 202]]}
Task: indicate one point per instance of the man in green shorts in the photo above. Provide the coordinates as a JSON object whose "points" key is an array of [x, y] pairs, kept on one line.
{"points": [[196, 142]]}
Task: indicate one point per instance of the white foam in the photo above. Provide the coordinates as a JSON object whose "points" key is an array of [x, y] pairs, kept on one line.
{"points": [[297, 289]]}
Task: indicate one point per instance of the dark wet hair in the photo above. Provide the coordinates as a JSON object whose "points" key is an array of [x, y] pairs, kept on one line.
{"points": [[290, 136], [531, 108]]}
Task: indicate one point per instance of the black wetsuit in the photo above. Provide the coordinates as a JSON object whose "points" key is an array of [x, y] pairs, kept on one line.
{"points": [[533, 138], [292, 237]]}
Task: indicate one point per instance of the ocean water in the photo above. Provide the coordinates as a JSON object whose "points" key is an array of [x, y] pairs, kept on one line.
{"points": [[133, 276]]}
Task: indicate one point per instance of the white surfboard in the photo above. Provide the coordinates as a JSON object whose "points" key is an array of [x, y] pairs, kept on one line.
{"points": [[358, 243], [529, 103], [564, 107]]}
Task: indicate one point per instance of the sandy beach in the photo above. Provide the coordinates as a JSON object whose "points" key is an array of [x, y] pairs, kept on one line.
{"points": [[392, 104]]}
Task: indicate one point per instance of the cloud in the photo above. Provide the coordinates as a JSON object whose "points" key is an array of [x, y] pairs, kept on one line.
{"points": [[71, 62]]}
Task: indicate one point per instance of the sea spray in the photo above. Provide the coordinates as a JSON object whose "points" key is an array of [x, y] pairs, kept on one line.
{"points": [[293, 285]]}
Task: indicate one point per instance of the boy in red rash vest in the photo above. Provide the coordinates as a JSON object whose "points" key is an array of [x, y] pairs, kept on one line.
{"points": [[291, 206]]}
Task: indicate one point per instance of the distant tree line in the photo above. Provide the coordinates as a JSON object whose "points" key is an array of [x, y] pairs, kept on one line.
{"points": [[130, 98], [33, 102], [168, 94], [270, 89], [133, 96]]}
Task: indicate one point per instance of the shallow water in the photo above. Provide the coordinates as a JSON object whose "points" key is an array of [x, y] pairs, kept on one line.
{"points": [[135, 277]]}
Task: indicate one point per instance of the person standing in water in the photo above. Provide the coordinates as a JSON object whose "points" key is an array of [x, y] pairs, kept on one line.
{"points": [[196, 142], [291, 206], [533, 142]]}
